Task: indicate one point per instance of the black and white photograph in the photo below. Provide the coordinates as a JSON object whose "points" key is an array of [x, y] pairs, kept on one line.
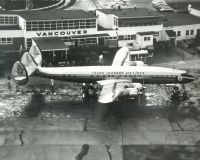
{"points": [[99, 79]]}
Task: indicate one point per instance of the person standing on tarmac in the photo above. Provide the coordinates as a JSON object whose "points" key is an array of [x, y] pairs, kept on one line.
{"points": [[52, 86], [9, 84], [85, 93], [92, 92]]}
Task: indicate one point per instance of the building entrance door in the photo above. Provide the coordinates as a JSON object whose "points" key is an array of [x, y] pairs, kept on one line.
{"points": [[172, 42], [198, 33], [101, 41], [76, 43]]}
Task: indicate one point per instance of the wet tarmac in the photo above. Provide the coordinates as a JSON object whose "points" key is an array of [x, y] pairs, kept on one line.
{"points": [[44, 126]]}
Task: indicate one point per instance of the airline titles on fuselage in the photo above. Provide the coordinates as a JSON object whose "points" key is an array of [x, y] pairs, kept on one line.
{"points": [[117, 73]]}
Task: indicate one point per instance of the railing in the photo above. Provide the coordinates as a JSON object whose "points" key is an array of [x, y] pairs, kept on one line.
{"points": [[54, 6], [71, 3]]}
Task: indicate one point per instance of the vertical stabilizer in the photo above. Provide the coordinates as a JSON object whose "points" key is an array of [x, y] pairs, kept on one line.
{"points": [[29, 63], [122, 57]]}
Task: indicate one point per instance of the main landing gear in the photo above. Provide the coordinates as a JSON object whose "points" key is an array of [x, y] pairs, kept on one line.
{"points": [[179, 93], [89, 92]]}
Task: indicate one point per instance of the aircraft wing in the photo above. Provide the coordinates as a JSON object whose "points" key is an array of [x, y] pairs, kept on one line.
{"points": [[112, 89]]}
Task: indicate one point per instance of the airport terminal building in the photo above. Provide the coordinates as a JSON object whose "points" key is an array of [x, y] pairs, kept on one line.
{"points": [[59, 30], [21, 27], [137, 27], [78, 28]]}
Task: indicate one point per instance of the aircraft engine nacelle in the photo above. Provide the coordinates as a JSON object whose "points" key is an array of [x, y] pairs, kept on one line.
{"points": [[130, 92], [137, 63], [134, 89], [136, 85]]}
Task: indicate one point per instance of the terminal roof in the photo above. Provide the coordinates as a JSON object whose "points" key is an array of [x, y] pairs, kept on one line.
{"points": [[171, 33], [50, 43], [147, 33], [179, 19], [131, 12], [51, 14]]}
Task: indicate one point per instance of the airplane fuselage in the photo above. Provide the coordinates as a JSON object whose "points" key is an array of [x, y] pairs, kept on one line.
{"points": [[92, 74]]}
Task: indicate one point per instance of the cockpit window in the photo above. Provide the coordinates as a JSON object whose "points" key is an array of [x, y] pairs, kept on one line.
{"points": [[186, 75]]}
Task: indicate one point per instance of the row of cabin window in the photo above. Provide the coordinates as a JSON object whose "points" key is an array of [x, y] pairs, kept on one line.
{"points": [[58, 25], [127, 75]]}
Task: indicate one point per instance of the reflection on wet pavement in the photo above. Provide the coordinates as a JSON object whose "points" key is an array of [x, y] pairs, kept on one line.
{"points": [[84, 151], [67, 104], [161, 152], [95, 130]]}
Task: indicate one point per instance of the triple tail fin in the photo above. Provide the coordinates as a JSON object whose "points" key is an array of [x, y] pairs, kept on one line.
{"points": [[29, 63]]}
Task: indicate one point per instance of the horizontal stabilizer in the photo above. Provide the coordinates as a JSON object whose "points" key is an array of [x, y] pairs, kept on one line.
{"points": [[19, 73], [29, 63]]}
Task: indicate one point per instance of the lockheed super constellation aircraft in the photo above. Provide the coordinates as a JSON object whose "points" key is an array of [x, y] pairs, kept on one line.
{"points": [[121, 78]]}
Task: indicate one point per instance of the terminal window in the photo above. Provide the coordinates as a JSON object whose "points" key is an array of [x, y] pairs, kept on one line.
{"points": [[135, 24], [147, 38], [4, 41], [81, 42], [179, 33], [187, 32], [85, 42], [127, 37], [191, 32], [29, 42], [66, 39], [91, 41], [115, 21], [8, 20], [112, 38], [60, 24]]}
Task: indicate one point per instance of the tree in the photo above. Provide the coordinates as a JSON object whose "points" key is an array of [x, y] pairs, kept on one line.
{"points": [[3, 3], [29, 4]]}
